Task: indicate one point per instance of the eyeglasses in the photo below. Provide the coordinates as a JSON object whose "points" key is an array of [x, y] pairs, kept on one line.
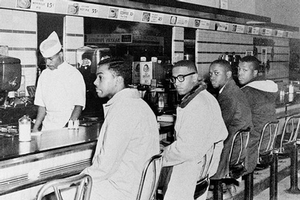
{"points": [[180, 78]]}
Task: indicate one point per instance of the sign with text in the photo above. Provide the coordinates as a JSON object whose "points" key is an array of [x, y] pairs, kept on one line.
{"points": [[255, 30], [221, 26], [201, 23], [43, 5], [109, 38], [268, 32], [37, 5]]}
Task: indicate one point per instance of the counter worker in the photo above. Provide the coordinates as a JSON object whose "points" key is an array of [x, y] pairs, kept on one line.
{"points": [[261, 95], [128, 137], [235, 109], [199, 126], [60, 92]]}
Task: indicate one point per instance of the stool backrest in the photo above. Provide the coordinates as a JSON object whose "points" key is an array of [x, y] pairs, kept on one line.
{"points": [[150, 177], [240, 138], [203, 176], [267, 138], [290, 131], [81, 183]]}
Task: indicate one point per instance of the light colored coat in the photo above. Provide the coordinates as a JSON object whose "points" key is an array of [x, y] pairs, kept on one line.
{"points": [[199, 125], [128, 138]]}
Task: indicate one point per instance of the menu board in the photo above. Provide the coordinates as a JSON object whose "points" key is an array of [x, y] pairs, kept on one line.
{"points": [[127, 14], [268, 32], [279, 33], [121, 13], [204, 24], [156, 18], [37, 5], [182, 21], [255, 30], [152, 17], [221, 26], [240, 28]]}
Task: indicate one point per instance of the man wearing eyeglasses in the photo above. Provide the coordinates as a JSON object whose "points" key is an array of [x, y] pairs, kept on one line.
{"points": [[199, 125], [60, 92]]}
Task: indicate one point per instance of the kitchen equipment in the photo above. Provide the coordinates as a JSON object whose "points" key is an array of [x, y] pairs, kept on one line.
{"points": [[10, 73], [10, 76], [89, 56]]}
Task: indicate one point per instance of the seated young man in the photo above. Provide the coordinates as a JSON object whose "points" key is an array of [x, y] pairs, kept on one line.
{"points": [[261, 95], [128, 137], [235, 109], [199, 126]]}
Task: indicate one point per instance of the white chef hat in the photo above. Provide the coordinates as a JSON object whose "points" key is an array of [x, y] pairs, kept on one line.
{"points": [[50, 46]]}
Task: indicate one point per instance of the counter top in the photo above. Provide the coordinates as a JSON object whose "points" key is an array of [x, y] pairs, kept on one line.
{"points": [[46, 141], [60, 153], [287, 105]]}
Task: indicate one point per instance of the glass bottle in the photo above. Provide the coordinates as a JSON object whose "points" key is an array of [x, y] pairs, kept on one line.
{"points": [[24, 129]]}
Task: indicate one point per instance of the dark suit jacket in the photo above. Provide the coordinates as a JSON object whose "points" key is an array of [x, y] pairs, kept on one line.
{"points": [[236, 113]]}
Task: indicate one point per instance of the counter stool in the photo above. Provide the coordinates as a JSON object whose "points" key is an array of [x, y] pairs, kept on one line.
{"points": [[241, 137], [288, 146], [205, 171], [149, 178], [81, 183], [268, 156]]}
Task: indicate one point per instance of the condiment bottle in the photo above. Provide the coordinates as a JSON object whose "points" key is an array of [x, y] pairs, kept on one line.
{"points": [[24, 129], [291, 88]]}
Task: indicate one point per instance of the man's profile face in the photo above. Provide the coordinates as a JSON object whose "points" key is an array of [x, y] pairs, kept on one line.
{"points": [[105, 82], [189, 81], [218, 75], [246, 72], [54, 61]]}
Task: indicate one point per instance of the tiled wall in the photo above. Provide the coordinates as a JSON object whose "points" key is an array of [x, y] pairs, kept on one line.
{"points": [[177, 44], [73, 37], [18, 31]]}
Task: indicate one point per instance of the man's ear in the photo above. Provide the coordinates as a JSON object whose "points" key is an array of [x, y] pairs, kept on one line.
{"points": [[229, 74], [120, 80], [255, 73], [195, 77]]}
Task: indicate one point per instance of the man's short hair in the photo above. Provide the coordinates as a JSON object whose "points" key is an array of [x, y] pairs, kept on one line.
{"points": [[251, 59], [120, 67], [186, 63], [223, 63]]}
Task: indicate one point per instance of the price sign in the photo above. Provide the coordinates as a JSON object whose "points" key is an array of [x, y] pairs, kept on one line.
{"points": [[156, 18], [268, 32], [182, 21], [255, 30], [279, 33], [222, 26], [204, 24], [126, 14], [43, 5], [88, 10], [240, 28]]}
